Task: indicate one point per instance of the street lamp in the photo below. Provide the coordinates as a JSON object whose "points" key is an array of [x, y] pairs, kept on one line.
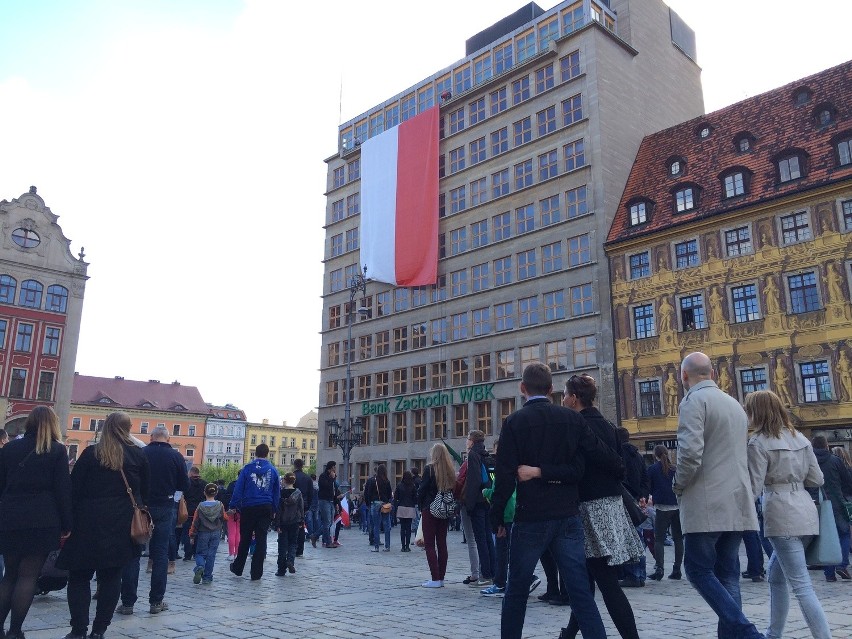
{"points": [[349, 434]]}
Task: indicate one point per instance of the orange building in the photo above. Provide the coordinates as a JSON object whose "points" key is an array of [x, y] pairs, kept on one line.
{"points": [[149, 404]]}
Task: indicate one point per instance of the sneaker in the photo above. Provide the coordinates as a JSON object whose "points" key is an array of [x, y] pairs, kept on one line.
{"points": [[492, 591], [157, 608], [198, 573], [433, 584], [385, 549], [754, 577], [830, 578], [470, 581], [374, 549], [231, 557], [536, 582], [548, 596], [124, 610], [335, 544], [843, 573], [484, 582], [171, 569]]}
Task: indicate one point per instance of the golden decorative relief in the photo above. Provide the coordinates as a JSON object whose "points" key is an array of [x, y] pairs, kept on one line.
{"points": [[648, 371], [812, 350], [750, 359]]}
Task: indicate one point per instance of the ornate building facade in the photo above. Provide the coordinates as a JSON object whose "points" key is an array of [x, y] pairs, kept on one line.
{"points": [[224, 441], [286, 443], [734, 237]]}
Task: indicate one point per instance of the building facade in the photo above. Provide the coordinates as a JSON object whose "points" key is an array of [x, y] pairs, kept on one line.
{"points": [[539, 122], [41, 304], [149, 404], [286, 443], [734, 237], [225, 435]]}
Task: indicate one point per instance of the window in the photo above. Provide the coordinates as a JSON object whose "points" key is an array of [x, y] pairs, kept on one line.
{"points": [[353, 204], [8, 286], [525, 218], [544, 78], [459, 371], [638, 213], [382, 343], [382, 429], [439, 375], [640, 265], [585, 351], [521, 89], [456, 159], [522, 131], [816, 381], [30, 295], [582, 301], [439, 289], [481, 368], [746, 307], [18, 383], [579, 250], [692, 313], [570, 64], [45, 386], [400, 381], [504, 317], [462, 79], [650, 403], [425, 98], [548, 165], [795, 228], [734, 184], [176, 430], [419, 419], [526, 264], [556, 355], [528, 311], [499, 141], [24, 338], [365, 388], [337, 245], [743, 142], [752, 379], [738, 241], [334, 354], [478, 191], [523, 174], [366, 347], [502, 226], [192, 434], [554, 306], [459, 282], [503, 57], [498, 100], [382, 384], [75, 424], [789, 168], [400, 339], [477, 151], [575, 155], [418, 378], [530, 355], [676, 167], [409, 108], [457, 199], [338, 177], [458, 240], [844, 151], [804, 295], [377, 123], [572, 110], [419, 296], [457, 121], [353, 168], [337, 211], [551, 257], [847, 215], [334, 316], [643, 321], [479, 275], [575, 200], [824, 115], [500, 183], [461, 420], [684, 199], [442, 240], [479, 233], [3, 325], [352, 239], [481, 321], [686, 254], [546, 120], [505, 364], [400, 299], [503, 271], [50, 345], [439, 331], [483, 417], [549, 210], [476, 110], [57, 299]]}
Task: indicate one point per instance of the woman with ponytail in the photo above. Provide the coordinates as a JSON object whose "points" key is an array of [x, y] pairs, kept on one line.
{"points": [[660, 476]]}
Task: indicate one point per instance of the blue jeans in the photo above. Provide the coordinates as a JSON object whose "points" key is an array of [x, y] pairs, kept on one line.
{"points": [[129, 582], [636, 570], [712, 566], [377, 518], [788, 566], [206, 545], [843, 533], [287, 545], [164, 531], [501, 551], [564, 538], [754, 552], [312, 521], [188, 546], [484, 540], [326, 513]]}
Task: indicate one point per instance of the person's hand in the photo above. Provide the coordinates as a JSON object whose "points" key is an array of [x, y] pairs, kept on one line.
{"points": [[420, 543], [501, 532], [64, 535], [525, 473]]}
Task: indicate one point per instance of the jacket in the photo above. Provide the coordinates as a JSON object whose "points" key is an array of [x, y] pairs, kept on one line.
{"points": [[37, 494], [473, 481], [711, 480], [660, 485], [258, 484], [428, 489], [208, 517], [559, 442], [596, 481], [306, 486], [291, 508], [168, 473], [405, 496], [375, 490], [326, 487], [838, 482], [194, 494], [781, 468], [635, 474]]}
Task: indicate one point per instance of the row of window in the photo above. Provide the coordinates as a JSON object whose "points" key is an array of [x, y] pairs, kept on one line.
{"points": [[31, 294], [24, 338], [271, 442], [309, 460], [225, 431], [18, 385], [229, 447], [95, 425], [487, 367]]}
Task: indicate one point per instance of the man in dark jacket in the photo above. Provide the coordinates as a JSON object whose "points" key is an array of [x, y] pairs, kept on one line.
{"points": [[477, 506], [306, 487], [637, 484], [838, 482], [194, 495], [326, 495], [543, 450]]}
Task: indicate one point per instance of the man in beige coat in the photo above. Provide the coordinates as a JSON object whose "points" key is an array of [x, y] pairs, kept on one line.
{"points": [[714, 492]]}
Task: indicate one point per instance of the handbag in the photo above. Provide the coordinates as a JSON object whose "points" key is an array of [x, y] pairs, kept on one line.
{"points": [[418, 536], [633, 511], [386, 508], [141, 524], [444, 505], [182, 513], [824, 550]]}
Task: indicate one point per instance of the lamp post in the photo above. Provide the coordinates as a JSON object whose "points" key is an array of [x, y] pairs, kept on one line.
{"points": [[348, 434]]}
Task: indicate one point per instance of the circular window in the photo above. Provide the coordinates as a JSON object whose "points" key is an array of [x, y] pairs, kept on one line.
{"points": [[25, 238], [674, 169], [704, 132]]}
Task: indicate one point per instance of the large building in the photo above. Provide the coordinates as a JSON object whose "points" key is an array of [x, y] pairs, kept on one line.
{"points": [[734, 237], [41, 302], [286, 443], [149, 404], [539, 124], [224, 442]]}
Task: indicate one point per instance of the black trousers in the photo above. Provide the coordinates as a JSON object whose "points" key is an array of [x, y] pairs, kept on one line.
{"points": [[254, 520], [617, 605], [80, 598]]}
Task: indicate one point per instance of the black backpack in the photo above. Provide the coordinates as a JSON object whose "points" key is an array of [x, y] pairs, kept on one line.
{"points": [[489, 462], [288, 508]]}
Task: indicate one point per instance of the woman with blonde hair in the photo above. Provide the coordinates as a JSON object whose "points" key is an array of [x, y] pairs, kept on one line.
{"points": [[100, 539], [35, 490], [781, 463], [438, 476]]}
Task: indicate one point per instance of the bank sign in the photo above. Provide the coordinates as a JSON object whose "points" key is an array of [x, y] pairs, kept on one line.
{"points": [[475, 393]]}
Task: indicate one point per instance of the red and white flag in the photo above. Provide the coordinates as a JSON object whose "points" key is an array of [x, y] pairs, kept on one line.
{"points": [[399, 202], [343, 517]]}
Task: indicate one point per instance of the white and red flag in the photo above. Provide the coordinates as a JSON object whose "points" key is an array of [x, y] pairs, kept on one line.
{"points": [[343, 517], [399, 202]]}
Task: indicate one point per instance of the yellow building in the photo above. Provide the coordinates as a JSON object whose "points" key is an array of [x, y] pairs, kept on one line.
{"points": [[733, 238], [286, 443]]}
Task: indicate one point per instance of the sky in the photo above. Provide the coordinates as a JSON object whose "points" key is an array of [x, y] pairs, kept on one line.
{"points": [[181, 142]]}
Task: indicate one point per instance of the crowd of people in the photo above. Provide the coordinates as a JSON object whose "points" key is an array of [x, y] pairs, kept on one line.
{"points": [[562, 487]]}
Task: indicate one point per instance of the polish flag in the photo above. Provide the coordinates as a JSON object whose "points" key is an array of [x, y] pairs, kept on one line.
{"points": [[343, 517], [399, 202]]}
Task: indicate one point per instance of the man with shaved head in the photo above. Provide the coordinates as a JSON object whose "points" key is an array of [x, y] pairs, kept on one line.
{"points": [[714, 492]]}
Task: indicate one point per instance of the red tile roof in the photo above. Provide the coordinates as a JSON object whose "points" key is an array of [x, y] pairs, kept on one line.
{"points": [[131, 394], [776, 123]]}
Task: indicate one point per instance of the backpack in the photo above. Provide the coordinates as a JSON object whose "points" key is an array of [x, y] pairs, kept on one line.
{"points": [[444, 505], [288, 508], [489, 462]]}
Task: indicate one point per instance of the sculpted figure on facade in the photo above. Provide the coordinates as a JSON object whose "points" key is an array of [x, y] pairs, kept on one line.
{"points": [[782, 379], [725, 379], [671, 388], [835, 283], [665, 311], [770, 292], [717, 313], [844, 371]]}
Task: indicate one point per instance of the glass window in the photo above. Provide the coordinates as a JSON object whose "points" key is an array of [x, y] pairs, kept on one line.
{"points": [[500, 141], [459, 323], [684, 200], [504, 316], [479, 274], [572, 110], [525, 218], [544, 78], [804, 295], [457, 120], [640, 265], [528, 311], [50, 346], [816, 381], [459, 282], [844, 152], [458, 240], [24, 338], [336, 245], [462, 79], [457, 159], [8, 286], [3, 325], [353, 204], [400, 339], [581, 300], [477, 151], [338, 177], [498, 101], [439, 331], [738, 241], [692, 312], [575, 155], [482, 69], [382, 343], [549, 210], [525, 46], [439, 289], [847, 215], [521, 90], [570, 65], [476, 111], [503, 57], [479, 191], [481, 321], [579, 250], [354, 169], [458, 199], [746, 307], [548, 166], [551, 257], [789, 169], [57, 299], [352, 239], [505, 364], [686, 254], [554, 306], [556, 355], [30, 295], [734, 184], [522, 131], [502, 224], [650, 402], [546, 120], [643, 321], [526, 264], [479, 233], [523, 174], [752, 379], [409, 107], [18, 383], [459, 371], [530, 355], [795, 227], [503, 271], [585, 351], [45, 386], [638, 214]]}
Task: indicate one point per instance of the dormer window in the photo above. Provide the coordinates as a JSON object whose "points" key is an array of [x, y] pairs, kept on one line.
{"points": [[802, 95], [791, 166], [676, 166], [685, 198], [735, 182], [703, 130], [743, 142], [639, 212], [824, 114], [843, 146]]}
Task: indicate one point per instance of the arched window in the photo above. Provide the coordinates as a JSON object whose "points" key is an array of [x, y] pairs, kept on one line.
{"points": [[703, 130], [57, 298], [802, 95], [743, 142], [824, 114], [675, 166], [8, 287], [30, 294]]}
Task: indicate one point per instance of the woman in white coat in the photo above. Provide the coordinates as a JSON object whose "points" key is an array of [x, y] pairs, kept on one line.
{"points": [[781, 464]]}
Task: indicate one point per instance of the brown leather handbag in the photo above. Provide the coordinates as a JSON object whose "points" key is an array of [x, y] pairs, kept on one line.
{"points": [[141, 524], [183, 512]]}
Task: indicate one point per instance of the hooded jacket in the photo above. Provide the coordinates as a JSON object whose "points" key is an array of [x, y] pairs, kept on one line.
{"points": [[838, 482], [291, 508], [208, 517], [473, 481], [258, 484]]}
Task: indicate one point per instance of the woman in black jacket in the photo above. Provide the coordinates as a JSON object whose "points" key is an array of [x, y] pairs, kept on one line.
{"points": [[611, 539], [35, 511], [405, 498], [377, 493], [100, 539]]}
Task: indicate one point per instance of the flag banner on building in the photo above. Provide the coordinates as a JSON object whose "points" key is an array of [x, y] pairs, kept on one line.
{"points": [[399, 202]]}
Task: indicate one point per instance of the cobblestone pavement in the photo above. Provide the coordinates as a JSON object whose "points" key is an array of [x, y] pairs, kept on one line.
{"points": [[350, 592]]}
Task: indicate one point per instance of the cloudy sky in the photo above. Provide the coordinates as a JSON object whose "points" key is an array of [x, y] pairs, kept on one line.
{"points": [[181, 142]]}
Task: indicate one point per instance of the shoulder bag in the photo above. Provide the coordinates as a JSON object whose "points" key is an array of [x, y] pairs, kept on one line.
{"points": [[183, 512], [824, 549], [444, 505], [141, 524], [386, 505]]}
